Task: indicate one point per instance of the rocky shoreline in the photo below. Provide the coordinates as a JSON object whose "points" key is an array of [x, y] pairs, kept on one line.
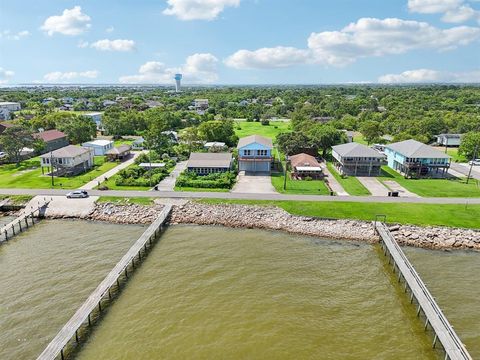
{"points": [[273, 218]]}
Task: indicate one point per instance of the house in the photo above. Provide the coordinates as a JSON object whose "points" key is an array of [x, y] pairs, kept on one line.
{"points": [[449, 139], [349, 134], [4, 126], [255, 154], [107, 103], [413, 158], [200, 104], [48, 100], [214, 145], [207, 163], [119, 153], [67, 161], [356, 159], [173, 135], [305, 165], [97, 118], [100, 147], [53, 139], [138, 144], [6, 108]]}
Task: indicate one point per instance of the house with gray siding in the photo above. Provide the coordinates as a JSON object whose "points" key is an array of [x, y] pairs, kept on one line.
{"points": [[207, 163], [415, 159], [356, 159], [255, 154]]}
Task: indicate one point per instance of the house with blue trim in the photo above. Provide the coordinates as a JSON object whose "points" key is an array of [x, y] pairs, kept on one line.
{"points": [[415, 159], [255, 154]]}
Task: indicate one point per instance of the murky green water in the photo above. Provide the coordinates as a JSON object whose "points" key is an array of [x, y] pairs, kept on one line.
{"points": [[214, 292], [46, 273]]}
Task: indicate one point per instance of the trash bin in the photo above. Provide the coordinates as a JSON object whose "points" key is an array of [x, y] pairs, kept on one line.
{"points": [[156, 187], [395, 193], [389, 193]]}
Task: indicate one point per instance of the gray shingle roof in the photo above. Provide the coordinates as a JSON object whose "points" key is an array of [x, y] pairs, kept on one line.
{"points": [[255, 139], [67, 151], [210, 160], [415, 149], [354, 149]]}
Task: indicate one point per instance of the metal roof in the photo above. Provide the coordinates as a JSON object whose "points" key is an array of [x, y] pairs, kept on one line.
{"points": [[255, 139], [415, 149], [99, 142], [210, 160], [354, 149]]}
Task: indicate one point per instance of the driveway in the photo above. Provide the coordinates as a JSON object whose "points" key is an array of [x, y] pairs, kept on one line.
{"points": [[259, 183], [92, 184], [333, 183], [372, 184], [168, 183], [60, 206], [402, 192]]}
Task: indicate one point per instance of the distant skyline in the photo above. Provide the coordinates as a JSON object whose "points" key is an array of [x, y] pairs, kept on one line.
{"points": [[239, 41]]}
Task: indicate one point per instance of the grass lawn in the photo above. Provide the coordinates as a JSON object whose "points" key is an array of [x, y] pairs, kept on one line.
{"points": [[434, 187], [404, 213], [358, 138], [17, 199], [125, 201], [312, 187], [123, 141], [179, 188], [243, 128], [350, 184], [453, 152], [28, 174]]}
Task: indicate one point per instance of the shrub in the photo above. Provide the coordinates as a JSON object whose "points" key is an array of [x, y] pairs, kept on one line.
{"points": [[265, 122], [211, 181]]}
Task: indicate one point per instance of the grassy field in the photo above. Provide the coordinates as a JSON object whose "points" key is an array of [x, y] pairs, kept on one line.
{"points": [[358, 138], [350, 184], [17, 199], [403, 213], [125, 201], [434, 187], [28, 175], [243, 128], [123, 141], [313, 187]]}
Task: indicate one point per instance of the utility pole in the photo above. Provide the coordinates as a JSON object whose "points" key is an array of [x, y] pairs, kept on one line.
{"points": [[51, 166], [471, 163], [150, 168], [285, 176]]}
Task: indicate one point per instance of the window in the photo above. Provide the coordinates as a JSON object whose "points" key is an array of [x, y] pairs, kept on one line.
{"points": [[262, 152], [247, 152]]}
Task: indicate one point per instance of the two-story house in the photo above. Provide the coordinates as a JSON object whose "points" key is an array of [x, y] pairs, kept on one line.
{"points": [[255, 154], [53, 139], [67, 161], [415, 159], [357, 159]]}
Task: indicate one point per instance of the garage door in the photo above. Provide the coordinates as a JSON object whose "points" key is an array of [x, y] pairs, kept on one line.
{"points": [[252, 166]]}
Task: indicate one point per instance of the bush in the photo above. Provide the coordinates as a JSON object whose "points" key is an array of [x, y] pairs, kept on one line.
{"points": [[137, 176], [211, 181], [265, 122], [308, 178]]}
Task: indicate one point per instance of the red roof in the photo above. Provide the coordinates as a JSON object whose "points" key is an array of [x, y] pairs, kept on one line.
{"points": [[49, 135], [303, 160]]}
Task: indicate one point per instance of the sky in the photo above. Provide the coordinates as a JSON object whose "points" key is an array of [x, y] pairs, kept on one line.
{"points": [[239, 41]]}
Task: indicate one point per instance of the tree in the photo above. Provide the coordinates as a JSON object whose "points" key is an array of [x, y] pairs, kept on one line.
{"points": [[326, 136], [15, 138], [295, 142], [78, 129], [470, 143], [371, 130], [216, 130]]}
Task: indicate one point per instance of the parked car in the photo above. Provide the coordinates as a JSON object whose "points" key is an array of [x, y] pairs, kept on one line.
{"points": [[2, 155], [475, 162], [77, 194]]}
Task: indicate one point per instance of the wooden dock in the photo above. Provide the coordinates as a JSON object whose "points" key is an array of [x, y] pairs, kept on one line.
{"points": [[94, 301], [443, 331], [21, 223]]}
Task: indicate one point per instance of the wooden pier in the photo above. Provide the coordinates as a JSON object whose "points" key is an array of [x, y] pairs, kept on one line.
{"points": [[83, 315], [22, 222], [443, 331]]}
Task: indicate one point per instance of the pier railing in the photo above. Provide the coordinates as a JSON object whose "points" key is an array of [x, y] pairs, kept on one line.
{"points": [[443, 331], [82, 315]]}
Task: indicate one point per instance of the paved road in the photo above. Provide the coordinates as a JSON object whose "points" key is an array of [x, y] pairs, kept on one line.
{"points": [[254, 183], [92, 184], [168, 183], [464, 168], [245, 196]]}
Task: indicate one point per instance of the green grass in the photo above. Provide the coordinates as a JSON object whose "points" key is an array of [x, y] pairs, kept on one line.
{"points": [[350, 183], [123, 141], [312, 187], [28, 175], [124, 201], [243, 128], [452, 215], [110, 183], [456, 157], [17, 199], [434, 187], [180, 188], [358, 138]]}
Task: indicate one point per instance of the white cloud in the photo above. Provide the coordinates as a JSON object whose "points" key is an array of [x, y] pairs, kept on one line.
{"points": [[110, 29], [71, 22], [198, 9], [7, 34], [365, 38], [5, 75], [114, 45], [198, 68], [58, 76], [431, 76], [454, 11], [265, 58], [83, 44]]}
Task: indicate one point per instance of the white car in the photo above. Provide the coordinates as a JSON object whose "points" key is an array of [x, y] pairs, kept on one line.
{"points": [[475, 162], [2, 155], [79, 194]]}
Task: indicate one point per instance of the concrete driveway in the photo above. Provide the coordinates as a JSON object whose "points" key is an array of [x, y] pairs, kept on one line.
{"points": [[168, 184], [372, 184], [402, 192], [259, 183], [60, 206]]}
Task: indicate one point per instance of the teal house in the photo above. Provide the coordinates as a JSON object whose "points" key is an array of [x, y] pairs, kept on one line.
{"points": [[415, 159]]}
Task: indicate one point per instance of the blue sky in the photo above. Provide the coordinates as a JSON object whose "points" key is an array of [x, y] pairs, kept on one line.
{"points": [[239, 41]]}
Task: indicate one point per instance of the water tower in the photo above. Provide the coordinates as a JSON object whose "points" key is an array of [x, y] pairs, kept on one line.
{"points": [[178, 80]]}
